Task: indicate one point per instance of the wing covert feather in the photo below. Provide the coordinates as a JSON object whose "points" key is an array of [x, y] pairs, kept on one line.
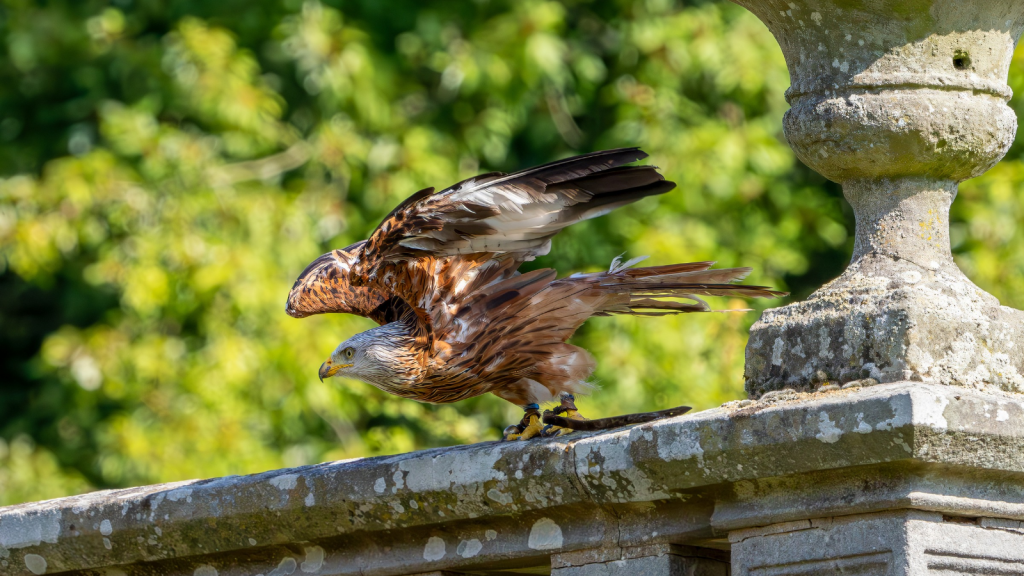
{"points": [[509, 214], [435, 249], [324, 287]]}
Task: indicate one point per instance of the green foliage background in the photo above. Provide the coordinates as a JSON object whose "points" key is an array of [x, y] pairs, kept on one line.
{"points": [[169, 166]]}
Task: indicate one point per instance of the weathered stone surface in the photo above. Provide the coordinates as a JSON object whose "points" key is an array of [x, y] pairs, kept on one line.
{"points": [[904, 543], [959, 490], [657, 560], [895, 90], [901, 310], [898, 102], [491, 506]]}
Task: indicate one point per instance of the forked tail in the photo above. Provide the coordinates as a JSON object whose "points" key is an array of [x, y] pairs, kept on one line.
{"points": [[654, 290]]}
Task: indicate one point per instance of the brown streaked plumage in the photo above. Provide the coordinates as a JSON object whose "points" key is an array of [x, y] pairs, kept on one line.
{"points": [[457, 320]]}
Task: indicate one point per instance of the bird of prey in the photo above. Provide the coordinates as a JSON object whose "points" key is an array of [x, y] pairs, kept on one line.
{"points": [[456, 317]]}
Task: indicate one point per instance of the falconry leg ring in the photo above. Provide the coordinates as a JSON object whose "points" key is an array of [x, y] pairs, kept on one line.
{"points": [[529, 427]]}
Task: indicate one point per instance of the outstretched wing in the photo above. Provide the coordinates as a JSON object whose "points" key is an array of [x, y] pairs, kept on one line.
{"points": [[425, 291], [324, 287], [512, 215], [434, 249]]}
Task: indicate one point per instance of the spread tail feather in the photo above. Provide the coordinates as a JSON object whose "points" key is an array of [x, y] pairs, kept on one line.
{"points": [[652, 291]]}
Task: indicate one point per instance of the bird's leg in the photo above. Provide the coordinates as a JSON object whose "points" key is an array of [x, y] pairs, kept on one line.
{"points": [[528, 427], [567, 409]]}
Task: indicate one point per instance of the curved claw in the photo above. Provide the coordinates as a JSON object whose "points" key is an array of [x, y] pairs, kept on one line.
{"points": [[529, 427], [551, 430]]}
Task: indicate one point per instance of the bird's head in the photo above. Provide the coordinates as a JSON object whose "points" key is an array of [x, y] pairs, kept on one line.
{"points": [[348, 359], [379, 356]]}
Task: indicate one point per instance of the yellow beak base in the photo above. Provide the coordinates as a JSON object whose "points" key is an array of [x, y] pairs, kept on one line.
{"points": [[327, 369]]}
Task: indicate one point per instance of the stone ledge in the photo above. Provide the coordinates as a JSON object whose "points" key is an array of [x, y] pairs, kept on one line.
{"points": [[653, 560], [498, 506], [907, 542], [614, 553]]}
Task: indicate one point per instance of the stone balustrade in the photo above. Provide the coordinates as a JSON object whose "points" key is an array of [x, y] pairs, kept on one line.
{"points": [[863, 476]]}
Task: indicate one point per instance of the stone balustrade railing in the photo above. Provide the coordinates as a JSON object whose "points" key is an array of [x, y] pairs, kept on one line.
{"points": [[870, 477]]}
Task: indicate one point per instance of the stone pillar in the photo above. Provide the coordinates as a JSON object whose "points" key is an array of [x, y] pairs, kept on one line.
{"points": [[898, 102], [901, 543], [653, 560]]}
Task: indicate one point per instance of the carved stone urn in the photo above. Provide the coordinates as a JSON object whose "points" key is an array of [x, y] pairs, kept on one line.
{"points": [[898, 102]]}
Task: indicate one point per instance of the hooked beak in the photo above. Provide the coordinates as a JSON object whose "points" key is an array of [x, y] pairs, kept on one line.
{"points": [[327, 369]]}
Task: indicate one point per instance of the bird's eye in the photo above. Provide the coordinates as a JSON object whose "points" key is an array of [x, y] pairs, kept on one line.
{"points": [[349, 353]]}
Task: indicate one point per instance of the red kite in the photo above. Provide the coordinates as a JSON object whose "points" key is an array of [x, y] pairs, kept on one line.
{"points": [[458, 320]]}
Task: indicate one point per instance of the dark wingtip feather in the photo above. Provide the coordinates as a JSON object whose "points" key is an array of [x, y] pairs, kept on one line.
{"points": [[570, 168], [616, 179]]}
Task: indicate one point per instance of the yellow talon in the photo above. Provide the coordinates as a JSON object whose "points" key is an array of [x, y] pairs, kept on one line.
{"points": [[529, 427], [551, 430], [566, 410]]}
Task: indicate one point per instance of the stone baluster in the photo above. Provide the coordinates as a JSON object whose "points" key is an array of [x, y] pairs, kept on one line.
{"points": [[898, 102]]}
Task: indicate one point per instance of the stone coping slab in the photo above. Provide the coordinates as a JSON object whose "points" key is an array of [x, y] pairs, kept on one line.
{"points": [[497, 504]]}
